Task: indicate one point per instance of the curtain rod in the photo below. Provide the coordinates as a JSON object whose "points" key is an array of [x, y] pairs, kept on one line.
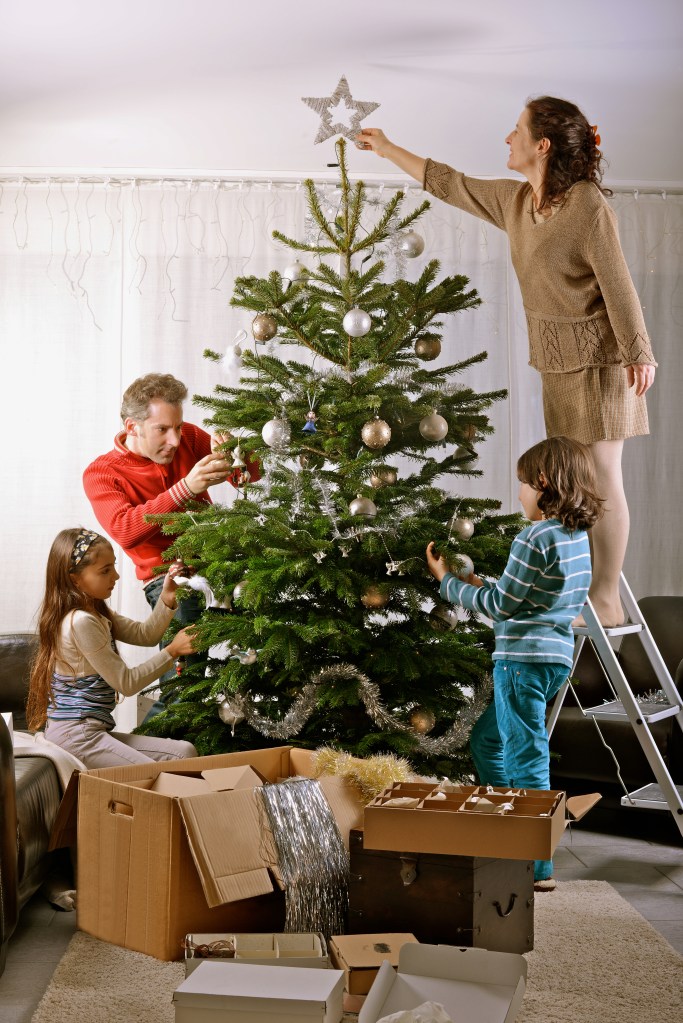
{"points": [[130, 177]]}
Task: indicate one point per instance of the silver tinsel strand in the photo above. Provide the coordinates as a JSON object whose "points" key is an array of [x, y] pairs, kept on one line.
{"points": [[314, 865]]}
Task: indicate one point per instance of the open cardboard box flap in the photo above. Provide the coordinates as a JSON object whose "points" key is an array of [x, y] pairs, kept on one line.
{"points": [[578, 806]]}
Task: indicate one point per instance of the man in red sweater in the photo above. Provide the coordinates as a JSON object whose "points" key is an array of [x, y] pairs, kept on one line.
{"points": [[158, 464]]}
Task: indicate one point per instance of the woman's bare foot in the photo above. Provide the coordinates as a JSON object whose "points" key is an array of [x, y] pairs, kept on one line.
{"points": [[609, 615]]}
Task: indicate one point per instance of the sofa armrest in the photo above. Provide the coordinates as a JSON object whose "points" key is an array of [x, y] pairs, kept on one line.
{"points": [[9, 908]]}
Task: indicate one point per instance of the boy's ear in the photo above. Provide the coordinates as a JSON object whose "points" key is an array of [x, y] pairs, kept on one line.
{"points": [[542, 480]]}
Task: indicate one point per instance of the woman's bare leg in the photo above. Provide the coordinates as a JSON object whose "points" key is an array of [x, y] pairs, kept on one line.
{"points": [[609, 536]]}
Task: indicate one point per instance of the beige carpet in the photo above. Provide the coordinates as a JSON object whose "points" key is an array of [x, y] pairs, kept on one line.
{"points": [[596, 960]]}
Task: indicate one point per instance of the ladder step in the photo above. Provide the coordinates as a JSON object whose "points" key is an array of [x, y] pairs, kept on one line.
{"points": [[650, 797], [650, 712], [617, 630]]}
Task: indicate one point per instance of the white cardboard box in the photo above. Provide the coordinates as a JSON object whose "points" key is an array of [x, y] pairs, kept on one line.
{"points": [[259, 994], [473, 985], [303, 950]]}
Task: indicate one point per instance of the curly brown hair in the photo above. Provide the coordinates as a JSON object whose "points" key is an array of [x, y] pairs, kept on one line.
{"points": [[153, 387], [61, 597], [563, 472], [573, 155]]}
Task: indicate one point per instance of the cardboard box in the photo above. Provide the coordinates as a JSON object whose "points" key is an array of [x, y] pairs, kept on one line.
{"points": [[361, 955], [260, 994], [452, 824], [306, 949], [156, 863], [473, 985]]}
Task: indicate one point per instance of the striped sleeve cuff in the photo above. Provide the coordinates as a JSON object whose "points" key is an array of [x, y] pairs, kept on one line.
{"points": [[181, 493]]}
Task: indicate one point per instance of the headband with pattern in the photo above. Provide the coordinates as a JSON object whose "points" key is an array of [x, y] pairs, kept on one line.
{"points": [[85, 539]]}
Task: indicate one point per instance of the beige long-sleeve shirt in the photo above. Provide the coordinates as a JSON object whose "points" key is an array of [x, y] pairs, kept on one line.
{"points": [[86, 648], [581, 306]]}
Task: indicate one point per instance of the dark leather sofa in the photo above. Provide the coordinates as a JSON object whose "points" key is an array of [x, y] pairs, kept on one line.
{"points": [[579, 761], [30, 794]]}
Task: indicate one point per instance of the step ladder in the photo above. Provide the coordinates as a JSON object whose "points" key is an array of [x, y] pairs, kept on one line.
{"points": [[663, 794]]}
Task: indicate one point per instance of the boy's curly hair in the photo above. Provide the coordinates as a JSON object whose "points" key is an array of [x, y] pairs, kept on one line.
{"points": [[563, 472]]}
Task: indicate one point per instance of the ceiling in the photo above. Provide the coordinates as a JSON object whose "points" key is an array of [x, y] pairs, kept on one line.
{"points": [[214, 85]]}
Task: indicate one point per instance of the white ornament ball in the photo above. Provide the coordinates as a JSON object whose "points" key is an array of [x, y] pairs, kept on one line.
{"points": [[463, 527], [463, 566], [239, 589], [357, 323], [294, 272], [363, 506], [412, 244], [276, 433], [433, 427], [376, 433]]}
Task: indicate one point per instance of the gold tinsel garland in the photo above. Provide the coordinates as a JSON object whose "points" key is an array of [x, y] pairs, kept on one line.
{"points": [[370, 775]]}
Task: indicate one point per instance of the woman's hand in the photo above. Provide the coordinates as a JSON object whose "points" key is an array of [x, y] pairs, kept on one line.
{"points": [[373, 139], [643, 376], [435, 563], [182, 643]]}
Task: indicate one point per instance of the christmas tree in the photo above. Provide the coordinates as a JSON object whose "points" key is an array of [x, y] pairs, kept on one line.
{"points": [[325, 627]]}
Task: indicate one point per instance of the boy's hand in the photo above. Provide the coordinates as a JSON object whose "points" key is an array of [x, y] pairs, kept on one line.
{"points": [[474, 580], [435, 563]]}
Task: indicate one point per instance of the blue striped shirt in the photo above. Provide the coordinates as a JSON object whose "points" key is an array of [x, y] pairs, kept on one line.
{"points": [[532, 605], [86, 697]]}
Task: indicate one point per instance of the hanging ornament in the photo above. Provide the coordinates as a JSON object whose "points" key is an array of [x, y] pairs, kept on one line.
{"points": [[422, 720], [427, 348], [309, 425], [463, 527], [232, 360], [230, 713], [463, 454], [383, 476], [376, 433], [363, 506], [412, 244], [239, 589], [469, 432], [237, 459], [374, 596], [443, 617], [357, 323], [248, 656], [264, 327], [463, 566], [294, 272], [433, 427], [276, 433]]}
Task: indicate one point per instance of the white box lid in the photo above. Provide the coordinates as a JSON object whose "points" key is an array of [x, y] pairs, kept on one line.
{"points": [[270, 988]]}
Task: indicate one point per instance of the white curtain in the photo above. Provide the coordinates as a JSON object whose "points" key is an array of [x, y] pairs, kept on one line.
{"points": [[101, 282]]}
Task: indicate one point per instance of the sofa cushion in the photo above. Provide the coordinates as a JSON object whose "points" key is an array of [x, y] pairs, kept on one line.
{"points": [[38, 795]]}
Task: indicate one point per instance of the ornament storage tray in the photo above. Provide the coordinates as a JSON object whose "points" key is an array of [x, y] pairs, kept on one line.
{"points": [[472, 820]]}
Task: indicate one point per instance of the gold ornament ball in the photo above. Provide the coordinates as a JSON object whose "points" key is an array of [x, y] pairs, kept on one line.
{"points": [[469, 432], [264, 327], [363, 506], [427, 348], [463, 527], [376, 433], [422, 720], [433, 427], [374, 596], [383, 476]]}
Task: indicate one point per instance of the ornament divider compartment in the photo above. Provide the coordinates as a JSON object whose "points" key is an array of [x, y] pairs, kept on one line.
{"points": [[466, 799]]}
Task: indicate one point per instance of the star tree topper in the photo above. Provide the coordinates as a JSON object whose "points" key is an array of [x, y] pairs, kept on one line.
{"points": [[324, 105]]}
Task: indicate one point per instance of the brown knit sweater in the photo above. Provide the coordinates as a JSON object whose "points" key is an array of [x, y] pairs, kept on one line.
{"points": [[581, 306]]}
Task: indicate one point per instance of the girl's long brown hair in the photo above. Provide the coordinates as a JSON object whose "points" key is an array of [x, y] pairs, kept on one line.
{"points": [[563, 471], [573, 155], [61, 597]]}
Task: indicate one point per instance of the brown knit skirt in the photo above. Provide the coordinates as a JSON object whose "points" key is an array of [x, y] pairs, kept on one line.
{"points": [[592, 404]]}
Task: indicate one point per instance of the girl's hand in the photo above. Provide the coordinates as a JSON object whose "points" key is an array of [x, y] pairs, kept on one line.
{"points": [[435, 563], [168, 590], [182, 643]]}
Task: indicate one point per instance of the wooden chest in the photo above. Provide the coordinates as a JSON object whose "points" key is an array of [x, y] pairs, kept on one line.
{"points": [[451, 900]]}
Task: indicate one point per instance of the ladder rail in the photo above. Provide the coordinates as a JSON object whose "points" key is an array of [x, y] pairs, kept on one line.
{"points": [[652, 651]]}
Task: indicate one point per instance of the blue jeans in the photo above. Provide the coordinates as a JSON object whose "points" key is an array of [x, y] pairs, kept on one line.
{"points": [[188, 611], [509, 742]]}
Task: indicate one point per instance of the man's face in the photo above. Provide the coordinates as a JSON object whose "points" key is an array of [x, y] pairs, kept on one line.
{"points": [[157, 437]]}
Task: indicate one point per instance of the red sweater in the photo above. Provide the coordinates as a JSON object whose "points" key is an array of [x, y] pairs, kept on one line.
{"points": [[123, 488]]}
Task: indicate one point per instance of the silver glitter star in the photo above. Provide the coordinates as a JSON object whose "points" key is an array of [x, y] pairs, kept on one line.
{"points": [[323, 106]]}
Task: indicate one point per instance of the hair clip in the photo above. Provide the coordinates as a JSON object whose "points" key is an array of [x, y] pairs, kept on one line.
{"points": [[594, 129]]}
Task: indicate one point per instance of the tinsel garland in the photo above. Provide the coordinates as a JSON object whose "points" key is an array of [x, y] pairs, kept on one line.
{"points": [[313, 862], [300, 711], [370, 775]]}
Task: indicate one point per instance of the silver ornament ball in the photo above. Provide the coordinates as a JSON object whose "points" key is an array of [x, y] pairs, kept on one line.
{"points": [[363, 506], [433, 427], [462, 526], [230, 712], [463, 566], [376, 433], [412, 244], [294, 272], [357, 323], [276, 433], [443, 618]]}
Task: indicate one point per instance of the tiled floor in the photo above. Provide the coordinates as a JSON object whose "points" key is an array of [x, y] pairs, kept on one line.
{"points": [[639, 853]]}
